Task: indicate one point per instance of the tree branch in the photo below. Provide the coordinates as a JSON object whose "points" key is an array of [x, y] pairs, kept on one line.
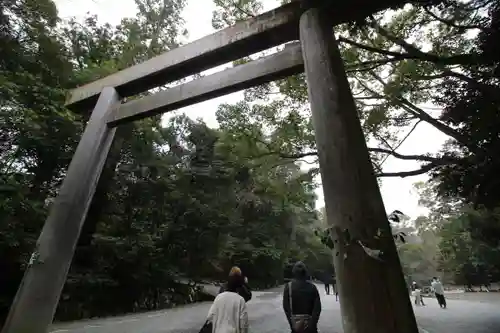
{"points": [[407, 135], [156, 32], [246, 12], [371, 48], [436, 160], [297, 155], [424, 169], [433, 161], [431, 77], [372, 64], [281, 154], [384, 140], [405, 157], [367, 97], [238, 8], [441, 62], [402, 141], [424, 116], [412, 52], [415, 53], [451, 23]]}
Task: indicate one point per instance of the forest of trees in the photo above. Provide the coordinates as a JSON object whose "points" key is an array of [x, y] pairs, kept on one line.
{"points": [[183, 199], [456, 242]]}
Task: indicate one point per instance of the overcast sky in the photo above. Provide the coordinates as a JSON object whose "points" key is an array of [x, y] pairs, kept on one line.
{"points": [[397, 192]]}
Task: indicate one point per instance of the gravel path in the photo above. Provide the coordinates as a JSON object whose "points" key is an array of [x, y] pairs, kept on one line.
{"points": [[266, 316]]}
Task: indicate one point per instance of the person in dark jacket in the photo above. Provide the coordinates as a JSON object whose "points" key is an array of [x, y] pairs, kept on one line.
{"points": [[326, 279], [334, 287], [327, 287], [243, 289], [305, 300]]}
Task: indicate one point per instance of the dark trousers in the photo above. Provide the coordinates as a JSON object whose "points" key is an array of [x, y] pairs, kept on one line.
{"points": [[441, 300], [311, 329], [327, 288]]}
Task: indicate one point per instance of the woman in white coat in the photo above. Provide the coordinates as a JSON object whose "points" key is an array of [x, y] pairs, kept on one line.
{"points": [[228, 313]]}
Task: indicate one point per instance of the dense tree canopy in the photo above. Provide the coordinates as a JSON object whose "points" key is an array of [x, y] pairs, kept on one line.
{"points": [[404, 67], [458, 242], [179, 198], [175, 199], [424, 63]]}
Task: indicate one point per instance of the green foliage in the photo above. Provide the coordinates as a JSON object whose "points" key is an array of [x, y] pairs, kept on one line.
{"points": [[403, 69], [458, 242], [183, 199], [470, 247], [229, 12], [420, 259], [175, 200]]}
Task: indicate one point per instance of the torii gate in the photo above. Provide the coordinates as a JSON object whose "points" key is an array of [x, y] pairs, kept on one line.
{"points": [[373, 294]]}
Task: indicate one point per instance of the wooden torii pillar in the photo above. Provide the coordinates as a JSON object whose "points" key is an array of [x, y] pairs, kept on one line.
{"points": [[372, 289], [373, 294]]}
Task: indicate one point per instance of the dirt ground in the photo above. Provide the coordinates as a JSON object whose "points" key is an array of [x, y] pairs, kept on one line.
{"points": [[483, 297]]}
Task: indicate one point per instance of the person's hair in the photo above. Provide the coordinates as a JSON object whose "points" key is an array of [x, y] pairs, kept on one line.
{"points": [[234, 282], [434, 278], [299, 270], [235, 270]]}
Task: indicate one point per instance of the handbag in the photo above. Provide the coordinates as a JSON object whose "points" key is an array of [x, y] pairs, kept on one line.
{"points": [[300, 322], [207, 327]]}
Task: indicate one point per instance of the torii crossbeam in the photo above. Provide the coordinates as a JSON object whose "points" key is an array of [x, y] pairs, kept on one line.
{"points": [[373, 294]]}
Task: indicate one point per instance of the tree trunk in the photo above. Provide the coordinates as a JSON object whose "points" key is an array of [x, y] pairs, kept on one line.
{"points": [[372, 289]]}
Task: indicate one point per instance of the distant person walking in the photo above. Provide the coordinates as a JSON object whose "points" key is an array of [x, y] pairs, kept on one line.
{"points": [[417, 293], [437, 288], [334, 287], [228, 313], [243, 288], [301, 302], [327, 280]]}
